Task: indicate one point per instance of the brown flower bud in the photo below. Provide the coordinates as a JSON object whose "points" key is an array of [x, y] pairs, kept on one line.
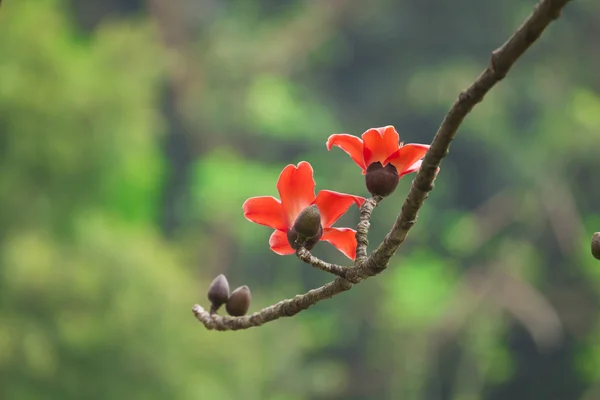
{"points": [[381, 181], [218, 292], [596, 245], [296, 240], [308, 223], [239, 302]]}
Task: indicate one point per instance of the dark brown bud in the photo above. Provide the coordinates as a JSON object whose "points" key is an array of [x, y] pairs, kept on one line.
{"points": [[218, 292], [596, 245], [308, 244], [308, 223], [381, 181], [239, 302]]}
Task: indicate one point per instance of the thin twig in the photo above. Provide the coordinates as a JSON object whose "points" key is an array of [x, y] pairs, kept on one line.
{"points": [[316, 262], [501, 61], [362, 230]]}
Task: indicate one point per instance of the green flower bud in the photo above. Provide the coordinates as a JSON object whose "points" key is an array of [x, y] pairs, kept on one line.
{"points": [[308, 223], [239, 302], [296, 241], [596, 245], [381, 181], [218, 292]]}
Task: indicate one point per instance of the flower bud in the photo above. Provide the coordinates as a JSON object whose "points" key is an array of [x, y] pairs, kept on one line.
{"points": [[381, 181], [218, 292], [239, 302], [596, 245], [308, 223], [295, 240]]}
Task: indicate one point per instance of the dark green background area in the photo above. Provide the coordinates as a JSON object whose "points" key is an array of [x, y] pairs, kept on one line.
{"points": [[131, 133]]}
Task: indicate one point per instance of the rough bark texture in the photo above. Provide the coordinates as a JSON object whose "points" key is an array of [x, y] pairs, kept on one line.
{"points": [[365, 266], [362, 230], [334, 269]]}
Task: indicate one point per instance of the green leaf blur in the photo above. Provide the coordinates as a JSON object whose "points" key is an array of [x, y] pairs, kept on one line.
{"points": [[132, 132]]}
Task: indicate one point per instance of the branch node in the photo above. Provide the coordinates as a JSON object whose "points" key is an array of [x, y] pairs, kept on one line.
{"points": [[425, 187], [409, 224], [497, 70], [465, 96]]}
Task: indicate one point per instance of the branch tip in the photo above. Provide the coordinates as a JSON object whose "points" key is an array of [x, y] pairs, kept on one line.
{"points": [[502, 59]]}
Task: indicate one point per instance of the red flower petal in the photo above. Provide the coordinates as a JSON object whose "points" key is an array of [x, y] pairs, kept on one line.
{"points": [[279, 243], [332, 205], [414, 168], [344, 239], [265, 210], [296, 189], [379, 143], [350, 144], [407, 156]]}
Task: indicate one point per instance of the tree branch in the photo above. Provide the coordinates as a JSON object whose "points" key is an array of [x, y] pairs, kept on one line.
{"points": [[316, 262], [362, 230], [501, 61]]}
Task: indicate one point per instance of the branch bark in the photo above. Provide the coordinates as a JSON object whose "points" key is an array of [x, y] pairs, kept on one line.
{"points": [[362, 230], [316, 262], [501, 61]]}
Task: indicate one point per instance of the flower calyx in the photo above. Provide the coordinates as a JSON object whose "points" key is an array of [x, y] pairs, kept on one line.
{"points": [[380, 180], [307, 229]]}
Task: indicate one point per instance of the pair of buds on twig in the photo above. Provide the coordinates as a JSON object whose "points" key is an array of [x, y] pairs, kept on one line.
{"points": [[236, 304]]}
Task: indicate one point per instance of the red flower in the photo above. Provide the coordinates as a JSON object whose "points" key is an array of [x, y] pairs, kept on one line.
{"points": [[297, 191], [380, 145]]}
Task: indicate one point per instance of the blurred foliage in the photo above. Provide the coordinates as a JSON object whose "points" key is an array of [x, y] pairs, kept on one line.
{"points": [[116, 116]]}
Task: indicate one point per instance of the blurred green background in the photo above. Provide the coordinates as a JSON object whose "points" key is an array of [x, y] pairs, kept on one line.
{"points": [[132, 131]]}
